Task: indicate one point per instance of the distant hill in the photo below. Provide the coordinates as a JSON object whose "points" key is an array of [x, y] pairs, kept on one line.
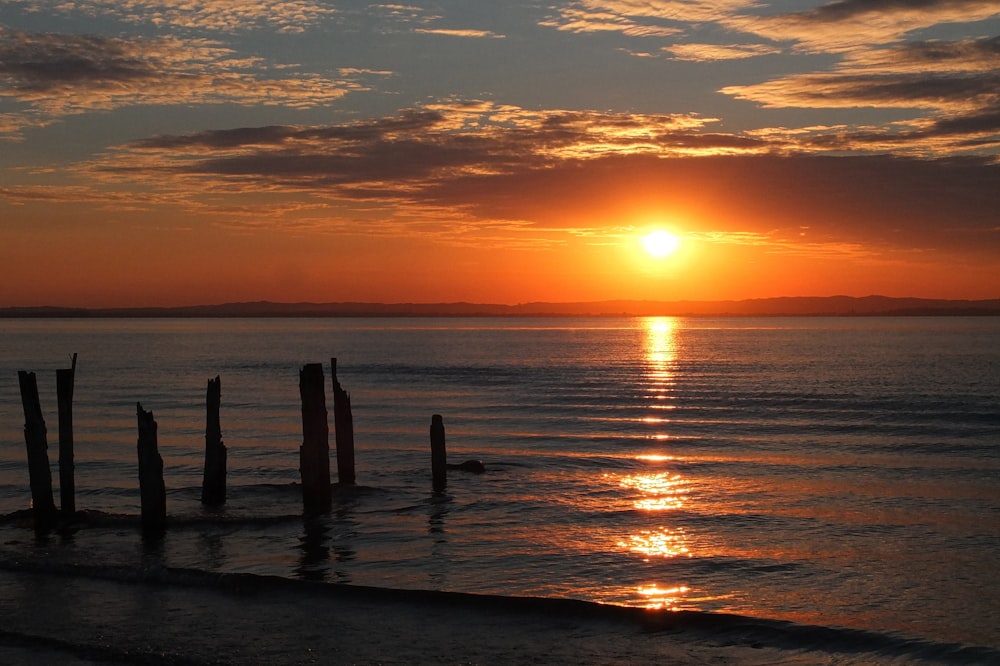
{"points": [[785, 306]]}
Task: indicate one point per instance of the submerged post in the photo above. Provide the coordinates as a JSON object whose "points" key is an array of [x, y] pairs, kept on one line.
{"points": [[314, 454], [152, 492], [343, 427], [213, 482], [439, 457], [43, 508], [65, 378]]}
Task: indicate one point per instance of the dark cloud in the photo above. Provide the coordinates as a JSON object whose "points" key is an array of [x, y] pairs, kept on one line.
{"points": [[846, 25], [842, 10], [38, 62], [959, 82], [875, 200], [415, 146], [952, 75], [559, 170], [55, 75]]}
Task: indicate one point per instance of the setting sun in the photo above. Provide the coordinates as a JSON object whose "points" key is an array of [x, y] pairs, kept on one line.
{"points": [[660, 243]]}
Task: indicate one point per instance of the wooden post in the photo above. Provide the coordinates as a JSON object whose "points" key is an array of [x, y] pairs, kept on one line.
{"points": [[213, 483], [314, 454], [343, 426], [39, 473], [152, 492], [65, 378], [439, 457]]}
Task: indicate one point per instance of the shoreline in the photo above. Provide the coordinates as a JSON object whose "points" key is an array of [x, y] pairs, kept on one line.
{"points": [[160, 615]]}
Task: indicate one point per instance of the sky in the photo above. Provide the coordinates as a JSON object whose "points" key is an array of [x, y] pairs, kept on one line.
{"points": [[173, 152]]}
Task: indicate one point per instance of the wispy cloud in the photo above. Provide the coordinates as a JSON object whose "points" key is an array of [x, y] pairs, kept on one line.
{"points": [[641, 18], [457, 32], [957, 81], [714, 52], [843, 25], [54, 75], [218, 15]]}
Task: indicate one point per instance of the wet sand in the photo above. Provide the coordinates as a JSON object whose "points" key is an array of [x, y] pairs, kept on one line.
{"points": [[87, 619]]}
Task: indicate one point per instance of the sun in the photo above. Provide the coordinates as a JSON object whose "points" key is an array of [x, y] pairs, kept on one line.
{"points": [[660, 243]]}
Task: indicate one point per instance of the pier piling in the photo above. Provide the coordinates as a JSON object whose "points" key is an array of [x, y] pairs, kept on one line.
{"points": [[39, 473], [213, 483], [152, 491], [65, 378], [343, 426], [314, 454], [439, 456]]}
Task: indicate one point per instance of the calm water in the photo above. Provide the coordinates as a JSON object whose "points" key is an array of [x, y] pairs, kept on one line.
{"points": [[841, 472]]}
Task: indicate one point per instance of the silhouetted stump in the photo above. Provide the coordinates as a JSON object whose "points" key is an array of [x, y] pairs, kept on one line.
{"points": [[40, 475], [471, 466], [65, 379], [152, 491], [314, 454], [343, 427], [213, 483], [439, 456]]}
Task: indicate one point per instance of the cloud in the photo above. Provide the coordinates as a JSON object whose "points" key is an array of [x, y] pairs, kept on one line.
{"points": [[413, 148], [585, 19], [54, 75], [714, 52], [452, 32], [957, 57], [958, 81], [844, 25], [877, 90], [219, 15], [838, 26], [640, 18], [476, 165]]}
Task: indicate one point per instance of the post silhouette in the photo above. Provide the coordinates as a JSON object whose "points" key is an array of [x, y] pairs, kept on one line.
{"points": [[152, 491], [213, 483], [314, 454], [43, 508], [439, 456], [65, 379], [343, 427]]}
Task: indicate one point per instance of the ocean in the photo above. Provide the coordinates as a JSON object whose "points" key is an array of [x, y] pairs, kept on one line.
{"points": [[840, 472]]}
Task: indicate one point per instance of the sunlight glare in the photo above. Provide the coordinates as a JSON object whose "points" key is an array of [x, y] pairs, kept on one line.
{"points": [[660, 243]]}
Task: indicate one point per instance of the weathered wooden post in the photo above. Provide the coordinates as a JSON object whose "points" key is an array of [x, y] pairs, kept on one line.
{"points": [[439, 457], [152, 492], [343, 427], [43, 508], [314, 454], [65, 378], [213, 483]]}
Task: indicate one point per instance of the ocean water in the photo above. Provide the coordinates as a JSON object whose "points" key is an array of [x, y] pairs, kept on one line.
{"points": [[842, 472]]}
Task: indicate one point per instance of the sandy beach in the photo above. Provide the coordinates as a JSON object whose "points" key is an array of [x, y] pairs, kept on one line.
{"points": [[170, 617]]}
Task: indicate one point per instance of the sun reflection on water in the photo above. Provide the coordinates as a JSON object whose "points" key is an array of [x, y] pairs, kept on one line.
{"points": [[660, 352], [661, 345], [654, 457], [663, 542], [661, 490], [662, 598]]}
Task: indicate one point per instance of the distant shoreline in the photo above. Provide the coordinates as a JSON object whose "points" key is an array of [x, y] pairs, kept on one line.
{"points": [[801, 306]]}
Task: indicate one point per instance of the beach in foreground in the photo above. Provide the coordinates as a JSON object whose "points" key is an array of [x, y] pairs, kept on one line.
{"points": [[182, 617]]}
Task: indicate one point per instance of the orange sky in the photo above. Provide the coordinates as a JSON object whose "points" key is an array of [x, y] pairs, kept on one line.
{"points": [[304, 152]]}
